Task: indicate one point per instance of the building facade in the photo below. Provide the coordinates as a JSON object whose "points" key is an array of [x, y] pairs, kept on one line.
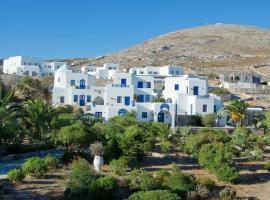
{"points": [[184, 94], [30, 66]]}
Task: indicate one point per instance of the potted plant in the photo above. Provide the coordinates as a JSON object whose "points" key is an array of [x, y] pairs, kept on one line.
{"points": [[97, 151]]}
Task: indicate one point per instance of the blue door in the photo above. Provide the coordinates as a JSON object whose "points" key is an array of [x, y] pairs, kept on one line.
{"points": [[141, 98], [161, 117], [82, 100], [195, 90], [123, 82], [127, 101], [82, 84]]}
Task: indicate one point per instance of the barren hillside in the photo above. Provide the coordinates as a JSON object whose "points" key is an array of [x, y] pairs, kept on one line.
{"points": [[211, 48]]}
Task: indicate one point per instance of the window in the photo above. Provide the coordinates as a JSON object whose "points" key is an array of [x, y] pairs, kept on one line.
{"points": [[75, 99], [155, 73], [140, 84], [24, 63], [147, 98], [187, 89], [50, 74], [98, 114], [58, 80], [141, 72], [172, 71], [177, 72], [176, 87], [88, 98], [72, 82], [119, 99], [62, 99], [215, 108], [141, 98], [127, 101], [144, 115], [150, 72], [204, 108], [148, 84]]}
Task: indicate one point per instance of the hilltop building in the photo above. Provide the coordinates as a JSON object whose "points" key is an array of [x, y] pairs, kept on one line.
{"points": [[30, 66]]}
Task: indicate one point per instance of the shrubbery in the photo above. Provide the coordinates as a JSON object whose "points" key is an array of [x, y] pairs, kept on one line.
{"points": [[35, 166], [51, 161], [120, 166], [141, 180], [209, 120], [154, 195], [228, 194], [84, 183], [217, 158], [205, 136], [267, 165], [206, 182], [16, 175]]}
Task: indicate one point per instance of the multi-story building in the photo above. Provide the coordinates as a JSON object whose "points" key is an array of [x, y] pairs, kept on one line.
{"points": [[239, 80], [185, 95], [105, 72], [30, 66]]}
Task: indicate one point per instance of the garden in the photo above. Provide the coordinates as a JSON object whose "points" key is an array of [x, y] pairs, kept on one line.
{"points": [[126, 159]]}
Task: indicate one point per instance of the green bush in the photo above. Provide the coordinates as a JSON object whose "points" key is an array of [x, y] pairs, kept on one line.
{"points": [[162, 175], [206, 182], [227, 194], [227, 173], [16, 175], [51, 161], [35, 166], [256, 154], [267, 165], [120, 166], [83, 183], [204, 136], [166, 146], [104, 188], [81, 176], [209, 120], [217, 158], [240, 137], [69, 156], [154, 195], [141, 180], [180, 183]]}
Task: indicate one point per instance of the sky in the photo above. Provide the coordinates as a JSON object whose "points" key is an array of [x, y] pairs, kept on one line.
{"points": [[52, 29]]}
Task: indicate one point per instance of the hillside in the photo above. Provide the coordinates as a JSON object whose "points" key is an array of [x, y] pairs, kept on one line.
{"points": [[214, 47]]}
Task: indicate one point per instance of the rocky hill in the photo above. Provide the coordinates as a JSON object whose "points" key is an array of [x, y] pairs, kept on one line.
{"points": [[211, 48]]}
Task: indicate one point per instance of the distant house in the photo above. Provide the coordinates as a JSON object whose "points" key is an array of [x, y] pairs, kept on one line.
{"points": [[234, 80], [30, 66]]}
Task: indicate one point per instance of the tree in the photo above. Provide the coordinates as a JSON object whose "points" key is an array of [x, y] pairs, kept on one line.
{"points": [[35, 117], [159, 98], [237, 110], [266, 122], [73, 136]]}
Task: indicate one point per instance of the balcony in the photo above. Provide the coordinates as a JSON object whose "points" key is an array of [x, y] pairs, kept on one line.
{"points": [[120, 85], [79, 87]]}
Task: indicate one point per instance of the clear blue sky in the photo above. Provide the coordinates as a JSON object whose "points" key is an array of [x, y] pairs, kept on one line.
{"points": [[86, 28]]}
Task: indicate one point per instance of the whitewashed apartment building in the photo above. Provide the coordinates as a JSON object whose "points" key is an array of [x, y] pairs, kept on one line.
{"points": [[30, 66], [185, 95]]}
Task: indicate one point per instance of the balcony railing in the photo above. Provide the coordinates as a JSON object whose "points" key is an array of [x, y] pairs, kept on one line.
{"points": [[120, 85]]}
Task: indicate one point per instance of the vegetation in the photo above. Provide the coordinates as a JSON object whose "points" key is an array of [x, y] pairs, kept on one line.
{"points": [[219, 91], [35, 167], [267, 165], [51, 161], [155, 194], [16, 175], [209, 120], [84, 183], [97, 149], [237, 110], [206, 182], [119, 166]]}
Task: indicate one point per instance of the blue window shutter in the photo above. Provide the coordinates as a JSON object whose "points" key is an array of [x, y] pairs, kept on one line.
{"points": [[140, 84], [141, 98], [75, 98], [127, 101], [176, 87], [147, 98]]}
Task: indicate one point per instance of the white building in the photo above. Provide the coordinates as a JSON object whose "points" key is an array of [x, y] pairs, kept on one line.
{"points": [[30, 66], [190, 94], [239, 80], [105, 72], [185, 95], [159, 73]]}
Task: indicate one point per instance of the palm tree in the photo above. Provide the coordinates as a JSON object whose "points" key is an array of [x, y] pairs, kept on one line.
{"points": [[35, 117], [237, 110]]}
